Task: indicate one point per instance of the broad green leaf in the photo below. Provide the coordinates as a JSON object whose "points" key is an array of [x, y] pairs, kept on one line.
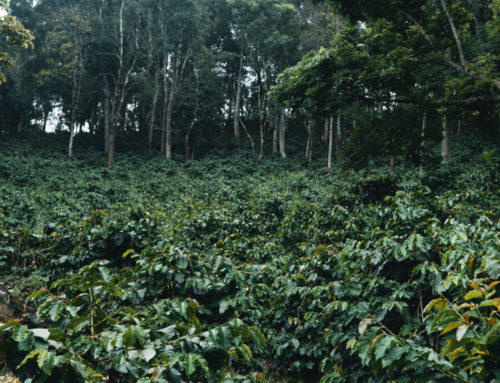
{"points": [[383, 344], [189, 365], [148, 354], [42, 333], [473, 294], [392, 355], [46, 361], [20, 333], [450, 327]]}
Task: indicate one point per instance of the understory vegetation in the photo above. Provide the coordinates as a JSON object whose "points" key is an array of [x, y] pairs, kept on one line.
{"points": [[221, 270]]}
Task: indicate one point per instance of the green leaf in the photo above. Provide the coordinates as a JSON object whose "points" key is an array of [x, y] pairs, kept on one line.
{"points": [[31, 355], [46, 361], [473, 294], [20, 333], [392, 355], [382, 346], [148, 354], [189, 365], [42, 333], [450, 327]]}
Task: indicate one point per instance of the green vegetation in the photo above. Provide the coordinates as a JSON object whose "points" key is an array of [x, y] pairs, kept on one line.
{"points": [[213, 247], [221, 270]]}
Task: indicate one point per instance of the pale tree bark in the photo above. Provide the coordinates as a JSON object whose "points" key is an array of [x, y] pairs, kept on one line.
{"points": [[422, 143], [75, 99], [309, 145], [248, 135], [177, 76], [326, 131], [275, 135], [107, 113], [282, 133], [330, 142], [121, 82], [262, 100], [237, 103], [165, 101], [445, 145], [152, 117]]}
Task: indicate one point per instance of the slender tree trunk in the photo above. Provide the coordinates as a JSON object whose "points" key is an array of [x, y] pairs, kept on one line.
{"points": [[107, 125], [275, 135], [338, 139], [237, 104], [152, 117], [309, 128], [45, 119], [71, 139], [19, 127], [111, 150], [282, 133], [392, 164], [330, 143], [422, 143], [168, 129], [326, 131], [75, 99], [445, 146], [261, 151], [165, 103], [262, 121]]}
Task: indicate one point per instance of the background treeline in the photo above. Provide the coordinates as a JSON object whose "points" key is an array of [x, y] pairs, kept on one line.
{"points": [[173, 75], [370, 82]]}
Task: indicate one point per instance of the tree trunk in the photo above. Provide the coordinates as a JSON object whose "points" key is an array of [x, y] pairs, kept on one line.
{"points": [[261, 151], [45, 119], [445, 146], [338, 139], [237, 104], [107, 95], [165, 103], [422, 144], [392, 164], [111, 148], [330, 143], [309, 127], [71, 139], [153, 114], [326, 131], [275, 135], [168, 128], [282, 133]]}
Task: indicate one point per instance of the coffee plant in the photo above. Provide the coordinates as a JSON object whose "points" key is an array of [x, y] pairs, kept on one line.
{"points": [[224, 271]]}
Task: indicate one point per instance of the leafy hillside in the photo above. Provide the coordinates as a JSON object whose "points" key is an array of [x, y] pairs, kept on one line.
{"points": [[224, 270]]}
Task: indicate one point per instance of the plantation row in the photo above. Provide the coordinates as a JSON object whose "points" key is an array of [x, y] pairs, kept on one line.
{"points": [[224, 271]]}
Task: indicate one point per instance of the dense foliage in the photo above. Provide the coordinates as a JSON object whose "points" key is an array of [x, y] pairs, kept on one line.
{"points": [[221, 270]]}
